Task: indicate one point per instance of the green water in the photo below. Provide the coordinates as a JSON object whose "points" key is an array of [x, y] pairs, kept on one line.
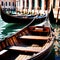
{"points": [[8, 29]]}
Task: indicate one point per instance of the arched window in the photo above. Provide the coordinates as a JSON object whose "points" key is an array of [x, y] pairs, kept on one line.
{"points": [[12, 3], [33, 4], [47, 2], [6, 3], [2, 3], [40, 3], [59, 3], [9, 3], [54, 3]]}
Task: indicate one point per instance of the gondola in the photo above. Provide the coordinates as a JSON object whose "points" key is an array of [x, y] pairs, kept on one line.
{"points": [[51, 16], [33, 42], [19, 19]]}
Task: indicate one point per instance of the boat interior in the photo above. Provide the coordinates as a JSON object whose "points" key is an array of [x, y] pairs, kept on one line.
{"points": [[25, 44]]}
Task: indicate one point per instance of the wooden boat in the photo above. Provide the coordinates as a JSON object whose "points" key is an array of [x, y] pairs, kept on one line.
{"points": [[21, 18], [31, 43], [51, 16]]}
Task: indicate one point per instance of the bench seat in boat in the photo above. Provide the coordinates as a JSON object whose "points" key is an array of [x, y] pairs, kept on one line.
{"points": [[23, 57], [25, 49], [3, 51], [35, 37], [40, 29]]}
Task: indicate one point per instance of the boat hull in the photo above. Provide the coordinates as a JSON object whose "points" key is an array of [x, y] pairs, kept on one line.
{"points": [[45, 54], [19, 19]]}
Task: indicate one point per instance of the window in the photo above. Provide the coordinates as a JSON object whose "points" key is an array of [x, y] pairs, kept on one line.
{"points": [[33, 4], [2, 3], [47, 4], [40, 3], [54, 3], [6, 3], [9, 3], [59, 3], [12, 3]]}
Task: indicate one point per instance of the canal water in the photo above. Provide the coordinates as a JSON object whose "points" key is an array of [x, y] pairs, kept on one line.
{"points": [[8, 29]]}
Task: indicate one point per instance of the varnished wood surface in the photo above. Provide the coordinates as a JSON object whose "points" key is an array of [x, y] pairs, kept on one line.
{"points": [[26, 49], [23, 57], [35, 37]]}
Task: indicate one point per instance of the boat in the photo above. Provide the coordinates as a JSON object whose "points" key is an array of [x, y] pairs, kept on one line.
{"points": [[33, 42], [51, 16], [20, 18]]}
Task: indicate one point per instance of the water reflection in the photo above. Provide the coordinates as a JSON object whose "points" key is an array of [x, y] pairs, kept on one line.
{"points": [[11, 28]]}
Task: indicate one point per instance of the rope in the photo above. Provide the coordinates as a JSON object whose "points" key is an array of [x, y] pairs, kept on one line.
{"points": [[31, 21]]}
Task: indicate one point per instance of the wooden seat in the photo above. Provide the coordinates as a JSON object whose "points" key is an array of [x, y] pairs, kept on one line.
{"points": [[3, 51], [35, 37], [25, 49], [39, 29], [23, 57]]}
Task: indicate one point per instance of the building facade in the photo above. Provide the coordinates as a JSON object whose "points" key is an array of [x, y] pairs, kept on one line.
{"points": [[24, 5], [31, 5], [8, 4]]}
